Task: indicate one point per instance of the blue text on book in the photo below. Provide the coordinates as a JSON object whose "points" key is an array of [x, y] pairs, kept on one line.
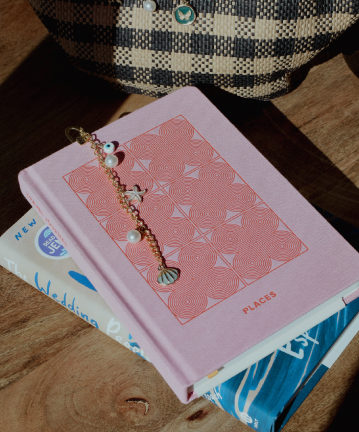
{"points": [[18, 236], [71, 306]]}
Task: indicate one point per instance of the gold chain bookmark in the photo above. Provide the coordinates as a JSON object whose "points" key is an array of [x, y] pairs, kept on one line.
{"points": [[167, 275]]}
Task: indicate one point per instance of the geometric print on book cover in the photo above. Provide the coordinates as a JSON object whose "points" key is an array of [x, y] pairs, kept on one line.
{"points": [[209, 223]]}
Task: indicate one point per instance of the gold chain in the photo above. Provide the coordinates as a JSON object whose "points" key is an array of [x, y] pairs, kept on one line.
{"points": [[166, 274]]}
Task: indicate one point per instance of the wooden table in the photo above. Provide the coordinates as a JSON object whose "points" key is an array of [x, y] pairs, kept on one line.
{"points": [[57, 373]]}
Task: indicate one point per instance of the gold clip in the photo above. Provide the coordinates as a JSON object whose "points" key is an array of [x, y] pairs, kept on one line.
{"points": [[213, 374], [80, 139]]}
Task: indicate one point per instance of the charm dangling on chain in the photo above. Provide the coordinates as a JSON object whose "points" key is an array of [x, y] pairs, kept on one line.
{"points": [[108, 161], [184, 13]]}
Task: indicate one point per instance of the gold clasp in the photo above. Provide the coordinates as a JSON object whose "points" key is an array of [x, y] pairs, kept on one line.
{"points": [[213, 374], [81, 139]]}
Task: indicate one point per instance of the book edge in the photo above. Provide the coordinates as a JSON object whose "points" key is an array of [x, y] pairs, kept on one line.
{"points": [[275, 341]]}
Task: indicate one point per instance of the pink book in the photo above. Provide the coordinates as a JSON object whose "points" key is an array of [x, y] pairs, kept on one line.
{"points": [[258, 265]]}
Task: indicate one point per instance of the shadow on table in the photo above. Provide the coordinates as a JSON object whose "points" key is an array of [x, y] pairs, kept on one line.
{"points": [[347, 415], [43, 96]]}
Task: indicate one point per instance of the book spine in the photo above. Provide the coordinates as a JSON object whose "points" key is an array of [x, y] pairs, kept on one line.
{"points": [[21, 260]]}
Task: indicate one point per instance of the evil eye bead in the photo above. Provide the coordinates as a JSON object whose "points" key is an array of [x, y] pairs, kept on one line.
{"points": [[149, 6], [111, 161], [108, 148], [133, 236]]}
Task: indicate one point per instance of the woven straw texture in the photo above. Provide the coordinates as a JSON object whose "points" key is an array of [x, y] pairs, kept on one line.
{"points": [[247, 47]]}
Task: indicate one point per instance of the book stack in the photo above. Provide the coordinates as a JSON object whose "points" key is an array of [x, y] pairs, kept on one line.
{"points": [[262, 274], [33, 253]]}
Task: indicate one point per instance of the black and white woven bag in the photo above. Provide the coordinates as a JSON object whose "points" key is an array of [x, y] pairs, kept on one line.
{"points": [[247, 47]]}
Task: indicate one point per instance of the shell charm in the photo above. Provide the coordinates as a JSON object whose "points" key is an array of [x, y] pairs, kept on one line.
{"points": [[167, 276]]}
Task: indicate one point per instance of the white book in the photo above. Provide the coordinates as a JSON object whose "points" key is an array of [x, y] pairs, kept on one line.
{"points": [[32, 252]]}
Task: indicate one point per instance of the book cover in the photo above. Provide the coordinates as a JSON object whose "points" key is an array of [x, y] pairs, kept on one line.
{"points": [[32, 252], [258, 265]]}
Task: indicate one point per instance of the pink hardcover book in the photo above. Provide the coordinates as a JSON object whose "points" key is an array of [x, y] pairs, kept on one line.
{"points": [[258, 265]]}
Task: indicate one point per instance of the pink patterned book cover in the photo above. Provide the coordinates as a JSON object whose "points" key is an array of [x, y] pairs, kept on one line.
{"points": [[253, 255], [213, 227]]}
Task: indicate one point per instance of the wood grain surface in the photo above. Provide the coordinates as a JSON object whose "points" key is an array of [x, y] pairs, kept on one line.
{"points": [[58, 373]]}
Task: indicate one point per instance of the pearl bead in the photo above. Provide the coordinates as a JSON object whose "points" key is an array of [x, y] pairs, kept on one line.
{"points": [[109, 148], [149, 6], [133, 236], [111, 161]]}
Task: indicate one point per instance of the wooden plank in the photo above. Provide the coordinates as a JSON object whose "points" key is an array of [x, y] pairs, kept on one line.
{"points": [[80, 379], [32, 328]]}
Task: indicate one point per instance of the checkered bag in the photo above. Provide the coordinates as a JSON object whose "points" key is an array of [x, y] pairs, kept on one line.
{"points": [[247, 47]]}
